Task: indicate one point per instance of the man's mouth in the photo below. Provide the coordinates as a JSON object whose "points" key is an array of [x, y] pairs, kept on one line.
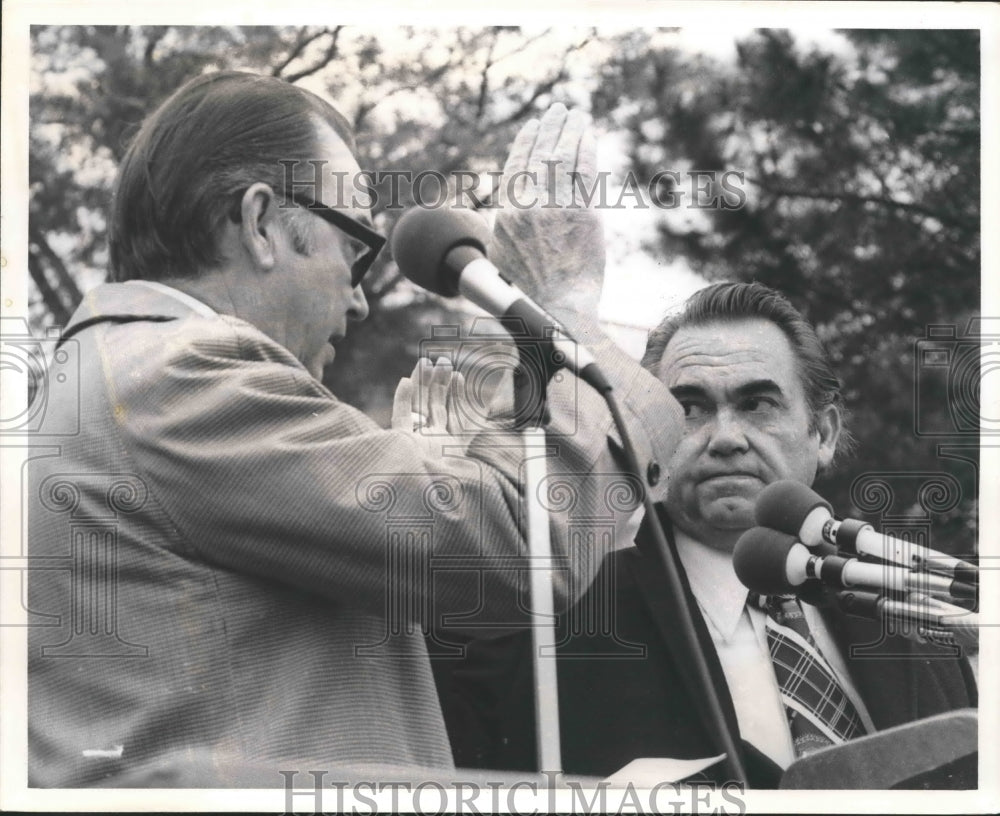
{"points": [[734, 475]]}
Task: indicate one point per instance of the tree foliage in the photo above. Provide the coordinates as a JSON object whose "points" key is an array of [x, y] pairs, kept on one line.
{"points": [[448, 100], [861, 170], [860, 160]]}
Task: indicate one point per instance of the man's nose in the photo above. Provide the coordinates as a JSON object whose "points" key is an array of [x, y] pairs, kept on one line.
{"points": [[726, 433], [358, 307]]}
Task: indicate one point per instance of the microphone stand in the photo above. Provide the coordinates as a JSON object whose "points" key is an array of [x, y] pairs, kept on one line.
{"points": [[530, 415]]}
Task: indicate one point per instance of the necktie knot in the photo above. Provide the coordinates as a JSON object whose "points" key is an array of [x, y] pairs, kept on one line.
{"points": [[778, 607], [819, 711], [787, 611]]}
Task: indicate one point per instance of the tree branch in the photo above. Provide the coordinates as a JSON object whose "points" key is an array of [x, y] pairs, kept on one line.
{"points": [[484, 81], [365, 108], [153, 39], [49, 295], [856, 198], [326, 59], [66, 287], [541, 89], [545, 87], [297, 49], [523, 46]]}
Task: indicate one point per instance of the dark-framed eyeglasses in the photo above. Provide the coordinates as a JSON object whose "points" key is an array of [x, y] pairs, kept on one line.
{"points": [[350, 226]]}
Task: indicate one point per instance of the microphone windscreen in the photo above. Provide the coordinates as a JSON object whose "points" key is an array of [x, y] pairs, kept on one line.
{"points": [[784, 506], [422, 239], [759, 560]]}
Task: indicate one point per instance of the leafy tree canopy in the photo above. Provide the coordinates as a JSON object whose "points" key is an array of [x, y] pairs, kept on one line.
{"points": [[862, 183], [859, 163]]}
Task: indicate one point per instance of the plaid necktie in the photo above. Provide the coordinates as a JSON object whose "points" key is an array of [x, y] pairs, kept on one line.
{"points": [[819, 712]]}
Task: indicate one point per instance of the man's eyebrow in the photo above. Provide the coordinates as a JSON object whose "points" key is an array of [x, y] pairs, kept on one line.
{"points": [[688, 391], [759, 387]]}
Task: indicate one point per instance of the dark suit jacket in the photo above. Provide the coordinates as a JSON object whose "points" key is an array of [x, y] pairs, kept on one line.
{"points": [[626, 689]]}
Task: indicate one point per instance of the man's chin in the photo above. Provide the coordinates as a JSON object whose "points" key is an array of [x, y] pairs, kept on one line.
{"points": [[321, 360], [328, 356], [731, 513]]}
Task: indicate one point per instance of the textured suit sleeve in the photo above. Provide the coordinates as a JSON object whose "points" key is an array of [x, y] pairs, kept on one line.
{"points": [[655, 419], [261, 470]]}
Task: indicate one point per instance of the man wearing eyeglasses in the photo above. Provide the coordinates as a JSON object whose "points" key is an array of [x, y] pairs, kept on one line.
{"points": [[228, 594]]}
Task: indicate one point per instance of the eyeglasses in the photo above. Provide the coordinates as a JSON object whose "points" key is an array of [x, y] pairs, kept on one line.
{"points": [[352, 227]]}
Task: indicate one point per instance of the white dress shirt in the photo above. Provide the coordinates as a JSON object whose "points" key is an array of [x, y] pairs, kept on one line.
{"points": [[741, 642]]}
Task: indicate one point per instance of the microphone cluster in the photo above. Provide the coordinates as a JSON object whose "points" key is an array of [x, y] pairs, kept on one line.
{"points": [[799, 548]]}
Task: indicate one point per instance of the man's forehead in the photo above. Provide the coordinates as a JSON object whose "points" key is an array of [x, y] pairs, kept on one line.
{"points": [[733, 351], [338, 174], [332, 148]]}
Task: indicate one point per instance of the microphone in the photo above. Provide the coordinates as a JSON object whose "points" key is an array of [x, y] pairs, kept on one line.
{"points": [[930, 623], [793, 508], [760, 559], [444, 251], [774, 563]]}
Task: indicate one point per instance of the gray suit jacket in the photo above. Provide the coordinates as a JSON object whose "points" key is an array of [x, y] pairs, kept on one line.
{"points": [[228, 561]]}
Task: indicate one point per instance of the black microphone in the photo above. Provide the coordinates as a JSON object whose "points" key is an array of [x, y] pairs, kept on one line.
{"points": [[764, 557], [444, 251], [760, 558], [929, 623], [793, 508], [759, 565]]}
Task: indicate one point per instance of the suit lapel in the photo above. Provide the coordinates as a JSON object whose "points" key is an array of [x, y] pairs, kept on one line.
{"points": [[882, 667], [648, 578], [646, 574]]}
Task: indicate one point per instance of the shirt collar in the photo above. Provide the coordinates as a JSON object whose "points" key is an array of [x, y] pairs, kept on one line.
{"points": [[192, 303], [719, 593]]}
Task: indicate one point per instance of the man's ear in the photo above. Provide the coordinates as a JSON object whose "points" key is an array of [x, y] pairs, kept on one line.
{"points": [[260, 224], [828, 426]]}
